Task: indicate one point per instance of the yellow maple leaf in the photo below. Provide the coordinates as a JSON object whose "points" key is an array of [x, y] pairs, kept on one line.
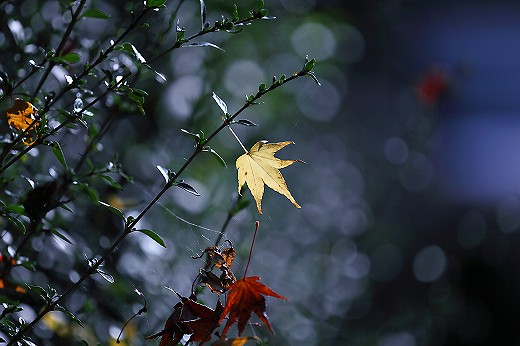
{"points": [[21, 116], [259, 167]]}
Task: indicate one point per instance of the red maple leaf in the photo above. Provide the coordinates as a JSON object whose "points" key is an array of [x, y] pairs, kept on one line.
{"points": [[245, 297]]}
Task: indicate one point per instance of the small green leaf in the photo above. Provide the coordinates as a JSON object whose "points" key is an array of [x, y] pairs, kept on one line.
{"points": [[15, 208], [314, 78], [29, 265], [56, 149], [112, 209], [220, 103], [204, 44], [105, 275], [196, 137], [111, 181], [66, 207], [38, 290], [60, 235], [153, 236], [155, 3], [19, 225], [216, 155], [202, 13], [132, 51], [70, 314], [236, 18], [187, 187], [262, 87], [259, 5], [244, 122], [69, 58], [164, 173], [95, 13], [309, 65], [89, 191]]}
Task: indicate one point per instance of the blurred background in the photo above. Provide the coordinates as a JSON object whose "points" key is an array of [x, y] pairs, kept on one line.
{"points": [[408, 232]]}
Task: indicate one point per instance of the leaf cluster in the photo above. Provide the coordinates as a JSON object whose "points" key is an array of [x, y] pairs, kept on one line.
{"points": [[62, 188]]}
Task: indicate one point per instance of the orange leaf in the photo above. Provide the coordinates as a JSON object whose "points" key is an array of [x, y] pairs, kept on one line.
{"points": [[21, 116], [245, 297], [235, 341]]}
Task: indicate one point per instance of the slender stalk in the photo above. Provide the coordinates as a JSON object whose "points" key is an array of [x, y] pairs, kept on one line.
{"points": [[238, 139], [257, 224]]}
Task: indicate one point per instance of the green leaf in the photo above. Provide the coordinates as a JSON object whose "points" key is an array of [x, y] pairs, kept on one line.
{"points": [[38, 290], [314, 78], [60, 235], [164, 173], [18, 224], [220, 103], [202, 13], [309, 65], [259, 5], [112, 209], [15, 208], [187, 187], [111, 182], [56, 149], [153, 236], [70, 314], [95, 13], [29, 265], [236, 18], [216, 155], [204, 44], [89, 191], [69, 58], [105, 275], [196, 137], [155, 3], [132, 51], [244, 122]]}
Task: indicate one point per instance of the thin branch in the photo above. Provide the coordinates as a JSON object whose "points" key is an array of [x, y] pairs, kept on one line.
{"points": [[66, 35]]}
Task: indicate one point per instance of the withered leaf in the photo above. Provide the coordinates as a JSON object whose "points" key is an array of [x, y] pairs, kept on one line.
{"points": [[189, 317], [21, 116]]}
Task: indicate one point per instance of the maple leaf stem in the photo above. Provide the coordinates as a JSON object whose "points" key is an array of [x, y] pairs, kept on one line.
{"points": [[238, 139], [257, 224]]}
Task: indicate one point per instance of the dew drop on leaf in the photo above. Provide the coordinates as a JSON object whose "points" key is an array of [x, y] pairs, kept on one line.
{"points": [[78, 105]]}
